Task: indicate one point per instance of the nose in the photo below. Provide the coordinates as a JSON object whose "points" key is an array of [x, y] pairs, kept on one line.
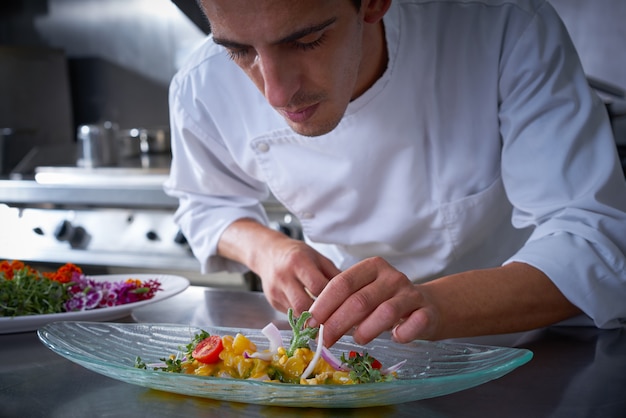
{"points": [[279, 78]]}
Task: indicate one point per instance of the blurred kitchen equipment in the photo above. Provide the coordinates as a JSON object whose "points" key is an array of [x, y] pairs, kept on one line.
{"points": [[13, 144], [136, 141], [128, 145], [96, 145], [150, 147], [5, 133], [35, 105], [155, 140]]}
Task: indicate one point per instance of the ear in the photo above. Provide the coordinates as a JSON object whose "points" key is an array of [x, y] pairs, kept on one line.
{"points": [[374, 10]]}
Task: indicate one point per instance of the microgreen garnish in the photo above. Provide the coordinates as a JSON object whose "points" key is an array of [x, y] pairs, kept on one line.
{"points": [[140, 364], [174, 364], [202, 335], [364, 368], [301, 333]]}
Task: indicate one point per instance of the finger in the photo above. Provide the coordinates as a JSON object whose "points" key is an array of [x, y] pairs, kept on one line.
{"points": [[385, 317], [328, 268], [339, 289], [277, 299], [316, 278], [352, 296], [297, 298], [419, 325]]}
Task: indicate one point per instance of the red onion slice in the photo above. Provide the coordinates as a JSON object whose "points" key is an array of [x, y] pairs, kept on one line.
{"points": [[332, 360], [394, 368], [263, 355], [316, 357], [273, 335]]}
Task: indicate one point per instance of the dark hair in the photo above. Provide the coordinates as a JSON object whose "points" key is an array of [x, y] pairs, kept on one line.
{"points": [[356, 3]]}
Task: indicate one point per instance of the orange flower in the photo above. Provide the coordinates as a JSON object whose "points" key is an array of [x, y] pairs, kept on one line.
{"points": [[7, 268], [64, 273], [136, 282]]}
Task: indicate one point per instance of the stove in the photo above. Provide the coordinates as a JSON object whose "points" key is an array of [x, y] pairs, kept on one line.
{"points": [[116, 217]]}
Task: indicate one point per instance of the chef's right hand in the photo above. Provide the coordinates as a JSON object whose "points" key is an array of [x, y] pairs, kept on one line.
{"points": [[286, 266]]}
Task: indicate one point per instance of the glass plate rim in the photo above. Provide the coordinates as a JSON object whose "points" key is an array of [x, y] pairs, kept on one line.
{"points": [[522, 357]]}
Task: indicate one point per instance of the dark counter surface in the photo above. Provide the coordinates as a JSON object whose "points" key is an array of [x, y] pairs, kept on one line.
{"points": [[575, 372]]}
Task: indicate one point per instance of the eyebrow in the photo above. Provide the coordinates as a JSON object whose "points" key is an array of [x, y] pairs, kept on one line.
{"points": [[287, 39]]}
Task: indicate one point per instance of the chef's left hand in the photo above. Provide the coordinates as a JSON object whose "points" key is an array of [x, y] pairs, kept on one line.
{"points": [[372, 297]]}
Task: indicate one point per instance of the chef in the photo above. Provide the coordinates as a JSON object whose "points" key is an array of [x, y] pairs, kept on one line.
{"points": [[453, 173]]}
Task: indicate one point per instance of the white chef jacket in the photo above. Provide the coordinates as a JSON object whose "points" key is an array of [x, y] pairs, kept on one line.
{"points": [[481, 144]]}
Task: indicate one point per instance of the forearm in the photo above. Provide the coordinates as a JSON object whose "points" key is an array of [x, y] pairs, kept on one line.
{"points": [[244, 239], [515, 297], [288, 267]]}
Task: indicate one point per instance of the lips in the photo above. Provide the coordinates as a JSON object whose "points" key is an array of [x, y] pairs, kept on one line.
{"points": [[301, 115]]}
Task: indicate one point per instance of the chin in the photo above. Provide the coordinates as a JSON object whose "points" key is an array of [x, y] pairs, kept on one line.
{"points": [[313, 129]]}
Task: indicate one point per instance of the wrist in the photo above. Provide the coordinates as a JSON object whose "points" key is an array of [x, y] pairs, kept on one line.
{"points": [[246, 241]]}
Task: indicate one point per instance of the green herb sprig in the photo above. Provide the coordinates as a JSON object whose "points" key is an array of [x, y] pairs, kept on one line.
{"points": [[302, 334]]}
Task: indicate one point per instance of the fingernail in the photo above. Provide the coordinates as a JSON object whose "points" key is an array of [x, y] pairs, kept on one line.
{"points": [[394, 332]]}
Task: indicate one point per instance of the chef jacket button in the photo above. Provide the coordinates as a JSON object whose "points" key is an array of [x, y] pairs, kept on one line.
{"points": [[263, 147], [306, 215]]}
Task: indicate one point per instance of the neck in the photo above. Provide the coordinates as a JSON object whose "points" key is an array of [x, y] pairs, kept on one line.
{"points": [[375, 57]]}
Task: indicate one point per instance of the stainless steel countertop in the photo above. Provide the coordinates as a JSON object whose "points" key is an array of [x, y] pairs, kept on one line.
{"points": [[575, 372], [127, 194], [30, 192]]}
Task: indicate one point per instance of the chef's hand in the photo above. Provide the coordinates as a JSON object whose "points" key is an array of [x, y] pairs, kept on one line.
{"points": [[374, 297], [286, 266], [289, 269]]}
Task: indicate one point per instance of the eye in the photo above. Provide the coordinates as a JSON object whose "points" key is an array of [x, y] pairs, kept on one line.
{"points": [[309, 42], [236, 54]]}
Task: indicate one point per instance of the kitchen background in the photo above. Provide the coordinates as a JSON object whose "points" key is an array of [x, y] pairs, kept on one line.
{"points": [[66, 63]]}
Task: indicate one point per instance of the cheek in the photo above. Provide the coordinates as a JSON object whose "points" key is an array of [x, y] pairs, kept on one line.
{"points": [[255, 75], [345, 62], [345, 74]]}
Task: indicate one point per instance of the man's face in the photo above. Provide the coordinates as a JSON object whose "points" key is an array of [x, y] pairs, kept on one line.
{"points": [[305, 56]]}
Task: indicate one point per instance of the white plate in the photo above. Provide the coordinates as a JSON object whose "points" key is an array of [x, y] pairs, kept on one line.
{"points": [[170, 286]]}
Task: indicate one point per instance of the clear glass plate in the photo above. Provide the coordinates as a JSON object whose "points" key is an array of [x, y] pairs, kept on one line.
{"points": [[170, 286], [432, 369]]}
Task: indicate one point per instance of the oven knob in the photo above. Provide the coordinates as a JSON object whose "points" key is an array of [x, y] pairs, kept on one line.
{"points": [[152, 236], [180, 238], [76, 236], [63, 231]]}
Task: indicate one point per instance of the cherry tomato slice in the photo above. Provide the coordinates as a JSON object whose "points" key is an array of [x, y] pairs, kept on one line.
{"points": [[208, 350]]}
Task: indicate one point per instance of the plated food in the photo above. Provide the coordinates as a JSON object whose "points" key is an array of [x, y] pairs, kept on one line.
{"points": [[237, 357], [30, 299], [432, 368], [27, 291]]}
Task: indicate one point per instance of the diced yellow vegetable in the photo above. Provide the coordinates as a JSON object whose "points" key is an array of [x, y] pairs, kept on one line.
{"points": [[233, 363]]}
